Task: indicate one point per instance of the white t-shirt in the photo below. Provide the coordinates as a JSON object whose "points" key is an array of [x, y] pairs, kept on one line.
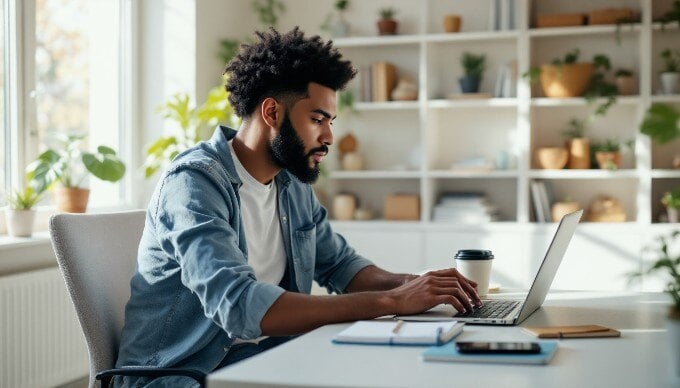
{"points": [[260, 215]]}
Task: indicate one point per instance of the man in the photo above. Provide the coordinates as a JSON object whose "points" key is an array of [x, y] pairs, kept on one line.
{"points": [[234, 235]]}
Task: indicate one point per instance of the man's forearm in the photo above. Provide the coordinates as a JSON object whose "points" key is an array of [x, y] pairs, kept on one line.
{"points": [[294, 313], [372, 278]]}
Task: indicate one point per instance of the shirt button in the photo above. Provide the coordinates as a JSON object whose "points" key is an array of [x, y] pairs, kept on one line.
{"points": [[284, 219], [226, 348]]}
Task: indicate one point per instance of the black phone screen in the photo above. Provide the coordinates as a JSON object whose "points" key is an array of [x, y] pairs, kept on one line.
{"points": [[498, 347]]}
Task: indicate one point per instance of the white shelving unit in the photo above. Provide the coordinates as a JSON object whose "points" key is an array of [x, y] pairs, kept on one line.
{"points": [[410, 146]]}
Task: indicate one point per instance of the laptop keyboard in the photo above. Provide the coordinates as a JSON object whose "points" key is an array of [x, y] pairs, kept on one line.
{"points": [[490, 309]]}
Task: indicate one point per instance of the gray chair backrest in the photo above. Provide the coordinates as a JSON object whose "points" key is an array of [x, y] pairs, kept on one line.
{"points": [[97, 254]]}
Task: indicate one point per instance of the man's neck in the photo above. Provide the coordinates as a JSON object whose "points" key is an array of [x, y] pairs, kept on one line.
{"points": [[251, 146]]}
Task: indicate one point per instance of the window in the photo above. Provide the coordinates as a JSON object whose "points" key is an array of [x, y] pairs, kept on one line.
{"points": [[4, 127], [78, 78]]}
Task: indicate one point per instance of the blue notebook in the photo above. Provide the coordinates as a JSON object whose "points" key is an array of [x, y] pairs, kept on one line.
{"points": [[449, 353]]}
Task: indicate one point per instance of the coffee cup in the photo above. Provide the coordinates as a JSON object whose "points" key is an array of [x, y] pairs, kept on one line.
{"points": [[475, 264]]}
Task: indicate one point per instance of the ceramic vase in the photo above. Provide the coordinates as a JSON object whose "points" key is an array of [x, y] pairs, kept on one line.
{"points": [[19, 222]]}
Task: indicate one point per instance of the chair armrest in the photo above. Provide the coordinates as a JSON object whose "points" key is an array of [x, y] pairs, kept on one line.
{"points": [[149, 371]]}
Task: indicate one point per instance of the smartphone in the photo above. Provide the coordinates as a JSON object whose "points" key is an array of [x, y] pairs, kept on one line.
{"points": [[499, 347]]}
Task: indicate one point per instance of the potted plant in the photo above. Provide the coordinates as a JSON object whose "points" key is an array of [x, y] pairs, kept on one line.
{"points": [[19, 213], [670, 76], [566, 77], [625, 82], [662, 124], [577, 144], [668, 264], [68, 166], [473, 68], [268, 11], [608, 154], [193, 124], [671, 199], [339, 27], [387, 25]]}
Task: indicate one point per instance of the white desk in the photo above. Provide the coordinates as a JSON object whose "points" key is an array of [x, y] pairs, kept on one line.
{"points": [[640, 358]]}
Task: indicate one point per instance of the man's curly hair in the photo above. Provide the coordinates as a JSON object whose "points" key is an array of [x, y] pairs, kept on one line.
{"points": [[281, 65]]}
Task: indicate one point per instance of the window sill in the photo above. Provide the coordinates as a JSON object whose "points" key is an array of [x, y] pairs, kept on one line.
{"points": [[25, 254]]}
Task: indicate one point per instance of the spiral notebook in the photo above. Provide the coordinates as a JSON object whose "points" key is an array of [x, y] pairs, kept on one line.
{"points": [[399, 333]]}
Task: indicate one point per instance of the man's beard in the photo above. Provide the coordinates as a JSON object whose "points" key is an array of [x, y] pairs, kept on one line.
{"points": [[287, 151]]}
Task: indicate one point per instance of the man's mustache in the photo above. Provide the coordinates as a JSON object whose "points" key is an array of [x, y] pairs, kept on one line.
{"points": [[323, 148]]}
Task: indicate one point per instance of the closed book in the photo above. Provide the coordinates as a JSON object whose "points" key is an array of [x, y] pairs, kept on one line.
{"points": [[449, 353], [399, 333], [384, 80], [580, 331]]}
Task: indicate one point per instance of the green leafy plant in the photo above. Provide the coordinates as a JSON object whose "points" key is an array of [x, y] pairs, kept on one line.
{"points": [[340, 7], [473, 65], [671, 199], [569, 58], [664, 262], [228, 49], [600, 87], [671, 60], [346, 101], [68, 165], [661, 123], [193, 125], [23, 199], [575, 129], [268, 11], [623, 73], [387, 13]]}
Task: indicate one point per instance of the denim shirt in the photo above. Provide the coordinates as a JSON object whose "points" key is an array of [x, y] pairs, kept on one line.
{"points": [[193, 291]]}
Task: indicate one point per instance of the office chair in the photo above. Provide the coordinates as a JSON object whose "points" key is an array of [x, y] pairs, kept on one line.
{"points": [[97, 254]]}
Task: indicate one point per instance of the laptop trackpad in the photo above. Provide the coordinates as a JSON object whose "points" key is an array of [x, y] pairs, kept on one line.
{"points": [[442, 312]]}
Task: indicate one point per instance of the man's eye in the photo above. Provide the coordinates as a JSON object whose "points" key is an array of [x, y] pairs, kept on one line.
{"points": [[317, 121]]}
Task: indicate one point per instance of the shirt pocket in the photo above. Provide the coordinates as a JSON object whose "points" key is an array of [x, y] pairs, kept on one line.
{"points": [[304, 248]]}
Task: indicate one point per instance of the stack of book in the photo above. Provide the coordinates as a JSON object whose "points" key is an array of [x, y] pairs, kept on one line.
{"points": [[466, 208], [378, 81], [542, 198]]}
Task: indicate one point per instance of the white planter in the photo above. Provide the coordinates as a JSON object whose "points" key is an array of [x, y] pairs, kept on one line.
{"points": [[670, 83], [19, 222], [672, 214], [673, 326]]}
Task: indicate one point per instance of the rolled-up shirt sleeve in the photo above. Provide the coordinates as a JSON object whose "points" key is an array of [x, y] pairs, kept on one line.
{"points": [[193, 226], [336, 262]]}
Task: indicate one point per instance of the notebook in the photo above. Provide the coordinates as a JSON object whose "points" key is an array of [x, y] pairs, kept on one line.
{"points": [[513, 312], [448, 353], [399, 333], [581, 331]]}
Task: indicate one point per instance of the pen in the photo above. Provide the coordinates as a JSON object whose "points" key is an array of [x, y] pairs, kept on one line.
{"points": [[398, 326]]}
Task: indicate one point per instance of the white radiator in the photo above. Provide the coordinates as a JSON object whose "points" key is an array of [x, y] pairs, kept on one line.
{"points": [[41, 344]]}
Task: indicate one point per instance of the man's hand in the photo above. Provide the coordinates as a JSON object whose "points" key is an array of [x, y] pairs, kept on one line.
{"points": [[444, 286]]}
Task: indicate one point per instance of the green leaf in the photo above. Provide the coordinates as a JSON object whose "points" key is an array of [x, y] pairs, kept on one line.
{"points": [[106, 167], [44, 171], [106, 150], [661, 123]]}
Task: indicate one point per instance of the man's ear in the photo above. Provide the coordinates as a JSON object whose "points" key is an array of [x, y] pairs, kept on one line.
{"points": [[271, 112]]}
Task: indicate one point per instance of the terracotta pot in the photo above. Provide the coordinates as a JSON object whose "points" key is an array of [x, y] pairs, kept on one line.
{"points": [[626, 85], [452, 23], [579, 153], [608, 160], [559, 209], [387, 26], [560, 20], [71, 200], [566, 80], [552, 158]]}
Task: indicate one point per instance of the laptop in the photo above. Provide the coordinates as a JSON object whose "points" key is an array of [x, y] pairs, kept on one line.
{"points": [[512, 312]]}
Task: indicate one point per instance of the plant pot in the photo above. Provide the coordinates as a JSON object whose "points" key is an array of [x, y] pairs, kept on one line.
{"points": [[19, 222], [608, 160], [71, 200], [387, 27], [560, 209], [673, 327], [469, 84], [579, 153], [452, 23], [672, 214], [344, 206], [670, 83], [566, 80], [552, 158], [626, 85]]}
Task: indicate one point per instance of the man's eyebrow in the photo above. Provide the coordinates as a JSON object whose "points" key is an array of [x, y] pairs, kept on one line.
{"points": [[324, 113]]}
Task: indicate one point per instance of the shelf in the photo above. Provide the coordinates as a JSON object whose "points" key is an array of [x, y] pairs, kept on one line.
{"points": [[471, 36], [661, 173], [375, 174], [368, 41], [388, 105], [580, 101], [472, 174], [584, 174], [472, 103], [668, 98], [656, 26], [582, 30]]}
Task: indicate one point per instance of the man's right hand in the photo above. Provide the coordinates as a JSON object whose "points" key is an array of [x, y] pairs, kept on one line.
{"points": [[445, 286]]}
